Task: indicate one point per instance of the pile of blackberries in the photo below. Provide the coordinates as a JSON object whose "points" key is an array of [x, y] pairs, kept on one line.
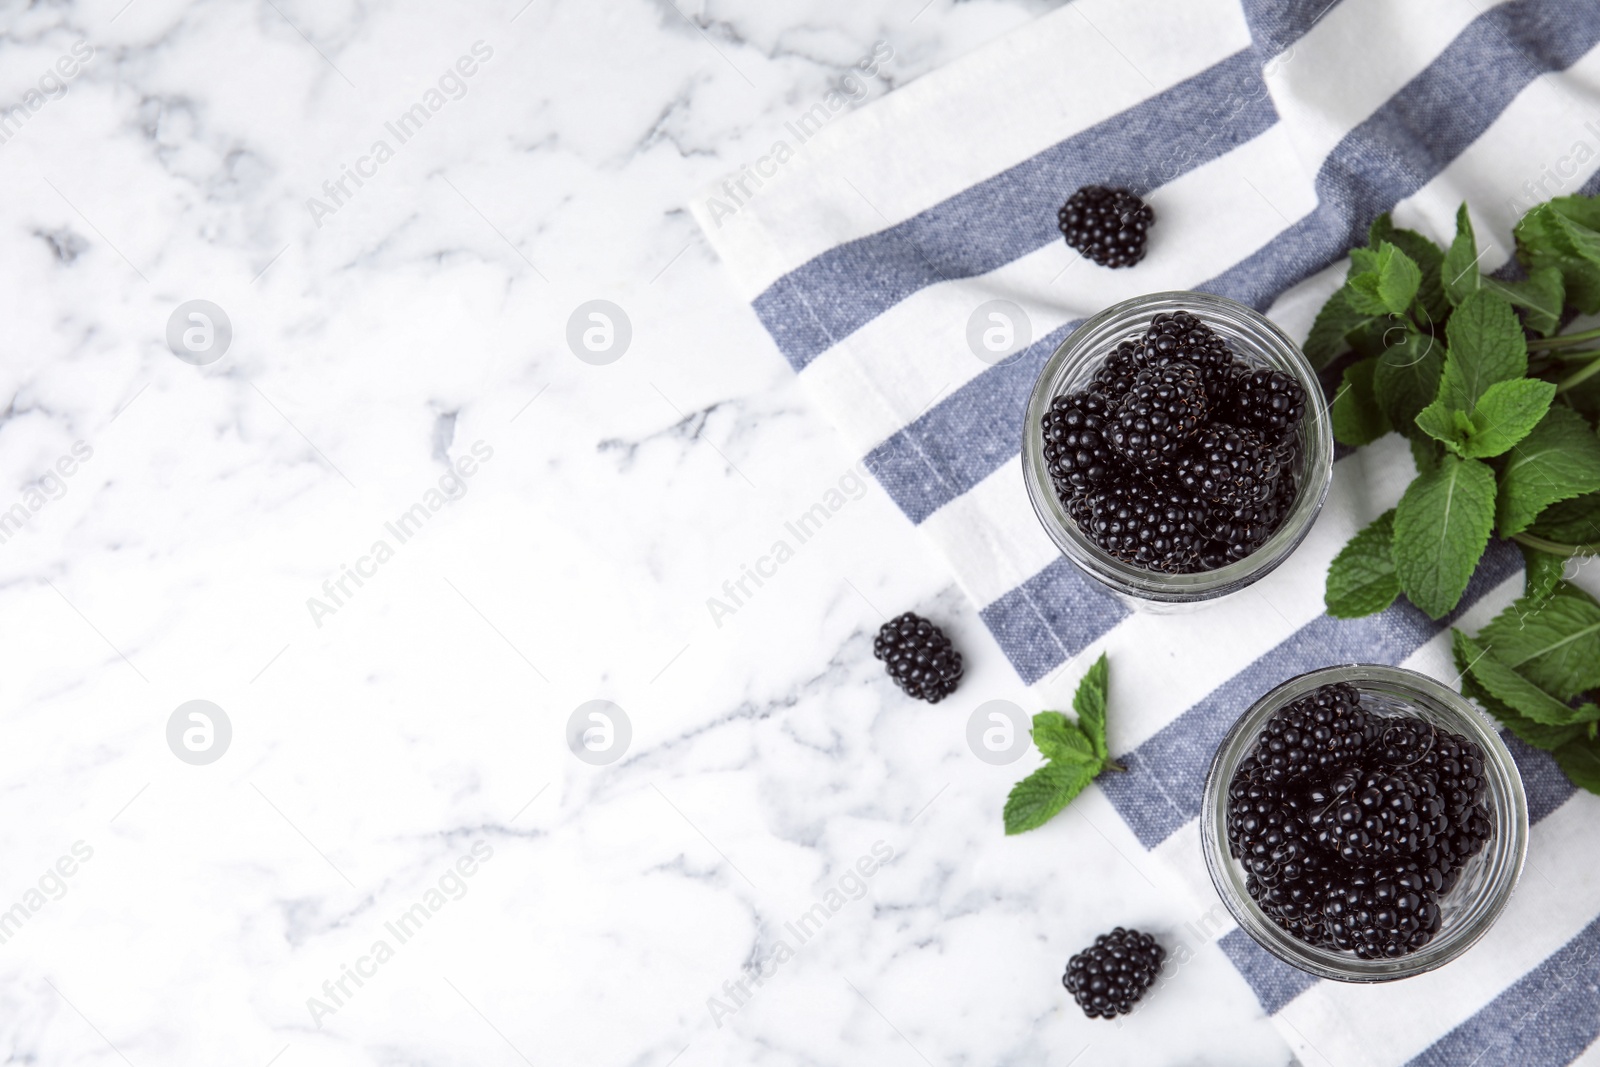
{"points": [[1108, 977], [1351, 826], [1177, 457], [919, 657]]}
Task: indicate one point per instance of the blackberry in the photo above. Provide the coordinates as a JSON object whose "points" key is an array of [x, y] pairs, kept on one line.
{"points": [[1457, 764], [1107, 225], [1375, 815], [1297, 904], [1108, 977], [1116, 374], [1265, 830], [1322, 732], [1162, 409], [1235, 467], [1383, 912], [1145, 523], [1077, 454], [919, 657], [1180, 335], [1267, 400], [1234, 533]]}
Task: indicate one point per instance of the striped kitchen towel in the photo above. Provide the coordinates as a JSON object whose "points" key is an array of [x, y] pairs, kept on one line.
{"points": [[874, 244]]}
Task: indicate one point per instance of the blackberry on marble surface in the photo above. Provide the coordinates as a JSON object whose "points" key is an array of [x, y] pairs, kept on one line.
{"points": [[919, 657], [1109, 977]]}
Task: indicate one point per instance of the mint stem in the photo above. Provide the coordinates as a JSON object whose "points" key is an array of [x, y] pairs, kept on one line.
{"points": [[1556, 548], [1564, 339], [1574, 354], [1578, 378], [1113, 765]]}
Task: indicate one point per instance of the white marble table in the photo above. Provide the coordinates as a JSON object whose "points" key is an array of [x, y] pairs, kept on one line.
{"points": [[397, 532]]}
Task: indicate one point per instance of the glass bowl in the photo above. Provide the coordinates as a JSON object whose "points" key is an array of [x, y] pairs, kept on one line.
{"points": [[1485, 883], [1255, 340]]}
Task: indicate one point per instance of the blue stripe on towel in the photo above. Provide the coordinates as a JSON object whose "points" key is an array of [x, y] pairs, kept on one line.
{"points": [[1051, 617], [1548, 1016], [1274, 982], [1007, 216]]}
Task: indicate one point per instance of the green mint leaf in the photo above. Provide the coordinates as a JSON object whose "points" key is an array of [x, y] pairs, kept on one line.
{"points": [[1540, 296], [1460, 268], [1570, 522], [1552, 640], [1329, 334], [1058, 738], [1425, 453], [1444, 424], [1407, 379], [1486, 346], [1361, 579], [1090, 704], [1374, 336], [1357, 418], [1536, 734], [1036, 799], [1513, 689], [1580, 761], [1558, 461], [1548, 237], [1382, 281], [1541, 572], [1505, 415], [1441, 527], [1584, 210], [1428, 257]]}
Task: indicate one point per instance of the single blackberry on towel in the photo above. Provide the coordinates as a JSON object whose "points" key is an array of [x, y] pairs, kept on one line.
{"points": [[919, 657], [1233, 466], [1109, 977], [1268, 400], [1179, 335], [1324, 731], [1077, 454], [1108, 225], [1146, 523], [1162, 409], [1383, 912]]}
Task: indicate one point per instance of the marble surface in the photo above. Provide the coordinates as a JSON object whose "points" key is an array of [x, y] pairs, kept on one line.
{"points": [[396, 534]]}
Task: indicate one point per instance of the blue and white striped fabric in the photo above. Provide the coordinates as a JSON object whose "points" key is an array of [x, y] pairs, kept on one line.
{"points": [[1267, 138]]}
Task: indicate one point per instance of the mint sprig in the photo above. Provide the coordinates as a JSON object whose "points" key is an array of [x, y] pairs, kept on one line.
{"points": [[1499, 414], [1536, 668], [1076, 753]]}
